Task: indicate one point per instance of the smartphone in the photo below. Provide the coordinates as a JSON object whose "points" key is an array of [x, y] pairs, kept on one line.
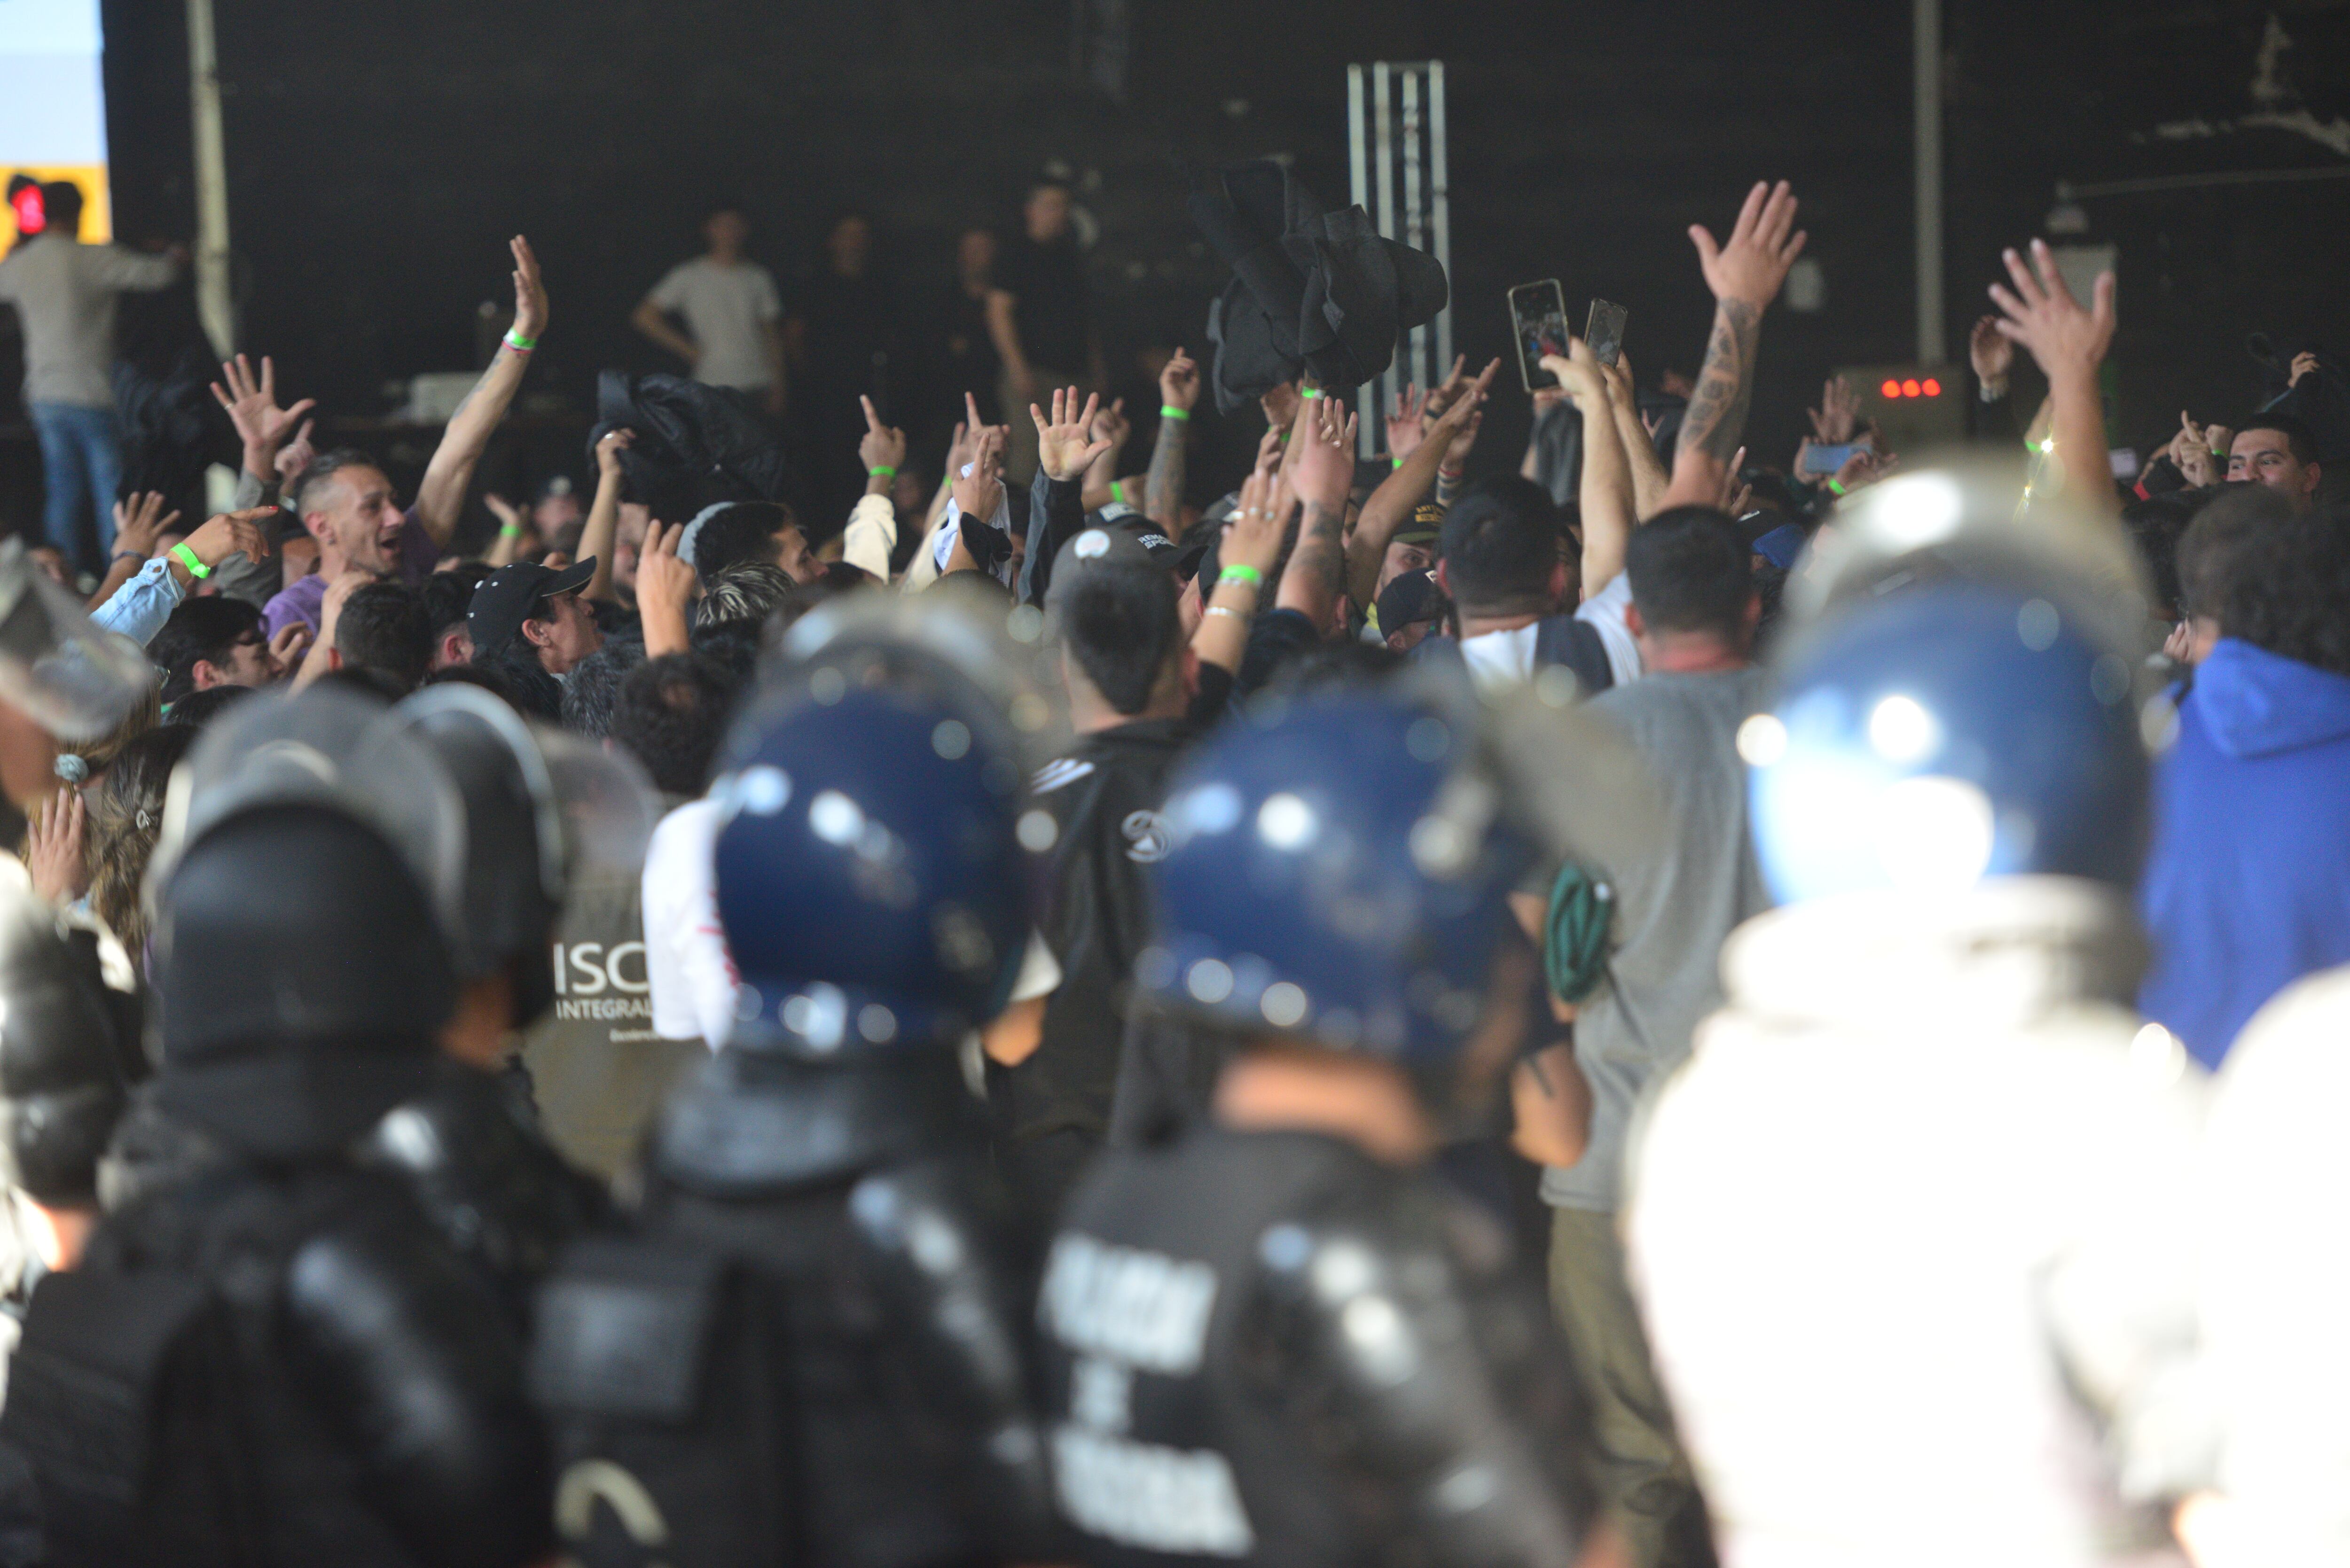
{"points": [[1538, 320], [1606, 332], [1828, 460]]}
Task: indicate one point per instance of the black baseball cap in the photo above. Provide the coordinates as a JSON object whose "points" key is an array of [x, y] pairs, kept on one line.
{"points": [[1412, 597], [508, 595]]}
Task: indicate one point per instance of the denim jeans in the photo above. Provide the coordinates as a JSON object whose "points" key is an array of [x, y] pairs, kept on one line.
{"points": [[81, 468]]}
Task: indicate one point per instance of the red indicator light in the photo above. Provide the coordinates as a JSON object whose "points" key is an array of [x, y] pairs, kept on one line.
{"points": [[1933, 388], [1891, 389], [1912, 390]]}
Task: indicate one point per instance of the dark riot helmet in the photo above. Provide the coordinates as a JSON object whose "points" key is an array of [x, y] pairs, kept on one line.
{"points": [[309, 869], [542, 813], [69, 1053]]}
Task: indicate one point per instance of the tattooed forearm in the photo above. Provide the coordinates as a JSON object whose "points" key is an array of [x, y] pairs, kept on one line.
{"points": [[1162, 489], [1717, 412], [1317, 572]]}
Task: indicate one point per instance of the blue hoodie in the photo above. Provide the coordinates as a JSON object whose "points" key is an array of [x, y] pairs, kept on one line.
{"points": [[2248, 889]]}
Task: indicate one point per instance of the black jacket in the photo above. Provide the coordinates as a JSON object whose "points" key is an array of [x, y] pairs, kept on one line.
{"points": [[1105, 796]]}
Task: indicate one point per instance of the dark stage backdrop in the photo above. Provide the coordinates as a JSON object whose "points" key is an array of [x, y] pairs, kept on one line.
{"points": [[379, 154]]}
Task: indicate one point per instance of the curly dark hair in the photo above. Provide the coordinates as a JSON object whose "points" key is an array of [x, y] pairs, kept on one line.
{"points": [[2290, 589]]}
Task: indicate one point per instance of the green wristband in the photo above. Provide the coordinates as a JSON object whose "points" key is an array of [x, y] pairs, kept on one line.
{"points": [[1309, 391], [1116, 494], [1398, 462], [1834, 488], [511, 530], [1237, 573], [1170, 412], [521, 345], [187, 558], [881, 471]]}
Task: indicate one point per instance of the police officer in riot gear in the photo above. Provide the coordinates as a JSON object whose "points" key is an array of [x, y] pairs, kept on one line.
{"points": [[815, 1349], [536, 805], [1908, 1221], [1273, 1337], [70, 1052], [275, 1359]]}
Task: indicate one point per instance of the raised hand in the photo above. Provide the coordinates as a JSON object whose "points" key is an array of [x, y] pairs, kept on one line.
{"points": [[1443, 394], [230, 532], [2191, 453], [1839, 410], [286, 650], [1408, 426], [1112, 425], [295, 456], [881, 446], [2303, 364], [508, 514], [664, 588], [608, 449], [1259, 523], [1322, 454], [1179, 382], [53, 848], [252, 406], [139, 523], [1864, 468], [1989, 352], [1457, 426], [1064, 443], [530, 290], [1763, 244], [1579, 371], [977, 492], [2041, 313]]}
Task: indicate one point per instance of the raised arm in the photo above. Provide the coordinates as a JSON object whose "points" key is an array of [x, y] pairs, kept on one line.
{"points": [[2070, 344], [1322, 471], [442, 495], [1605, 496], [603, 527], [1401, 491], [1250, 545], [1162, 492], [1003, 331], [1744, 275]]}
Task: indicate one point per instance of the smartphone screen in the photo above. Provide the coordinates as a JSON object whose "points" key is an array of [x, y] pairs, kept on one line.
{"points": [[1605, 332], [1538, 320], [1820, 459]]}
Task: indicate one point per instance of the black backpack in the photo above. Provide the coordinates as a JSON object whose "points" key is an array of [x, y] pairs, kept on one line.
{"points": [[657, 1365], [148, 1391]]}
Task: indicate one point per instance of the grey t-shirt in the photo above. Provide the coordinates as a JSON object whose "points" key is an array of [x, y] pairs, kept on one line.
{"points": [[727, 311], [65, 291], [1673, 909]]}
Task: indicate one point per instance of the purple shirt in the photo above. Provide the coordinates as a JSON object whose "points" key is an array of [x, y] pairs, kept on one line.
{"points": [[308, 596]]}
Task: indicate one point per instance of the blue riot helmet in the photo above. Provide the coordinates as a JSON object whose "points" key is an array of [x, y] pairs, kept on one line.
{"points": [[1339, 864], [869, 875], [1942, 735]]}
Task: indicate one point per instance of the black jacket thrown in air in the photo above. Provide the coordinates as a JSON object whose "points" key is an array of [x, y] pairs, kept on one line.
{"points": [[815, 1347], [1267, 1349]]}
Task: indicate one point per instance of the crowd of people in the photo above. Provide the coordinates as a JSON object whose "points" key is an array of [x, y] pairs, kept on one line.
{"points": [[1014, 1018]]}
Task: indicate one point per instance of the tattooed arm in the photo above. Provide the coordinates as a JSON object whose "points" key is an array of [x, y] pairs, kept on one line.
{"points": [[1322, 469], [1162, 492], [1744, 275]]}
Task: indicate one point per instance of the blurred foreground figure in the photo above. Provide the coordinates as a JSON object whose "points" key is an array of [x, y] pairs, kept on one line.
{"points": [[2276, 1288], [268, 1355], [1273, 1336], [815, 1348], [1909, 1226], [540, 808]]}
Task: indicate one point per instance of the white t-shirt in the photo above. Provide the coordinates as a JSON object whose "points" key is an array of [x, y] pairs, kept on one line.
{"points": [[727, 311], [686, 960], [1499, 658]]}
